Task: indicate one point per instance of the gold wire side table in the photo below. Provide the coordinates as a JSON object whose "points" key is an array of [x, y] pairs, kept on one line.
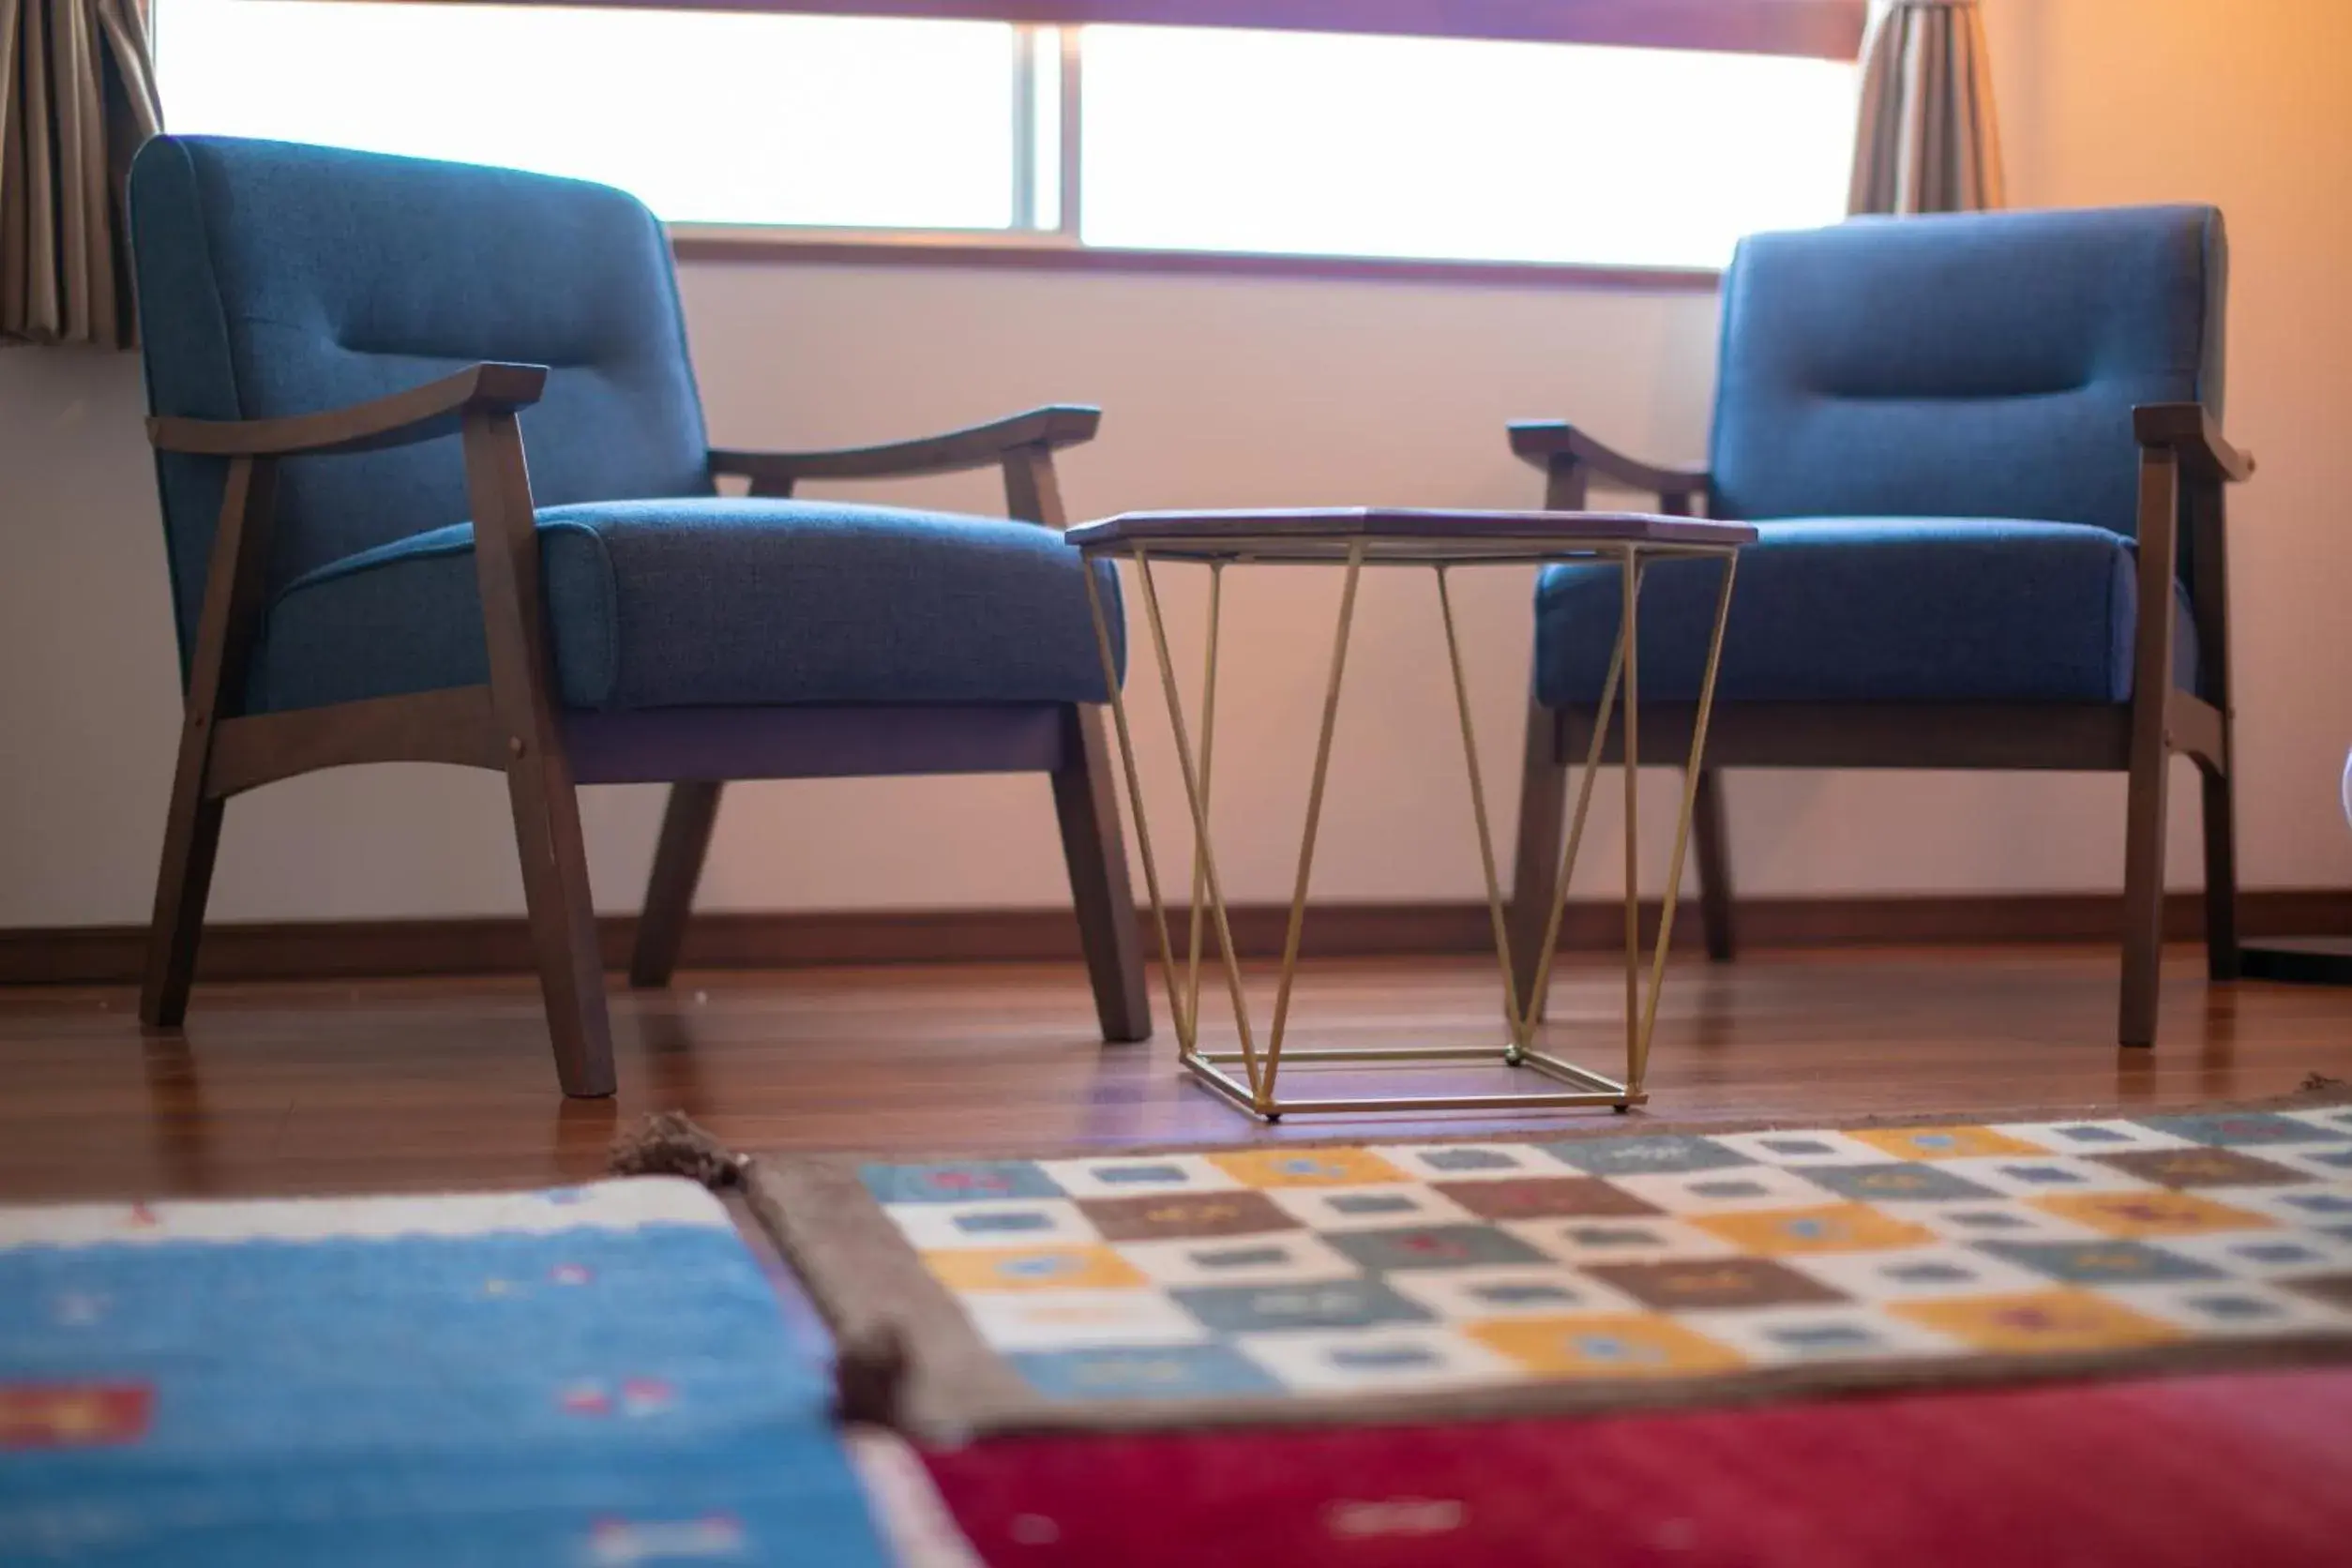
{"points": [[1353, 538]]}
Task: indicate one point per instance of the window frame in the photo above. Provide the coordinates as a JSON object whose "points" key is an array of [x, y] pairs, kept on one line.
{"points": [[1048, 251], [1824, 29]]}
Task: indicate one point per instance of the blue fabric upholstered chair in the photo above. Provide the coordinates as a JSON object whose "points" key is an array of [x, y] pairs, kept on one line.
{"points": [[349, 358], [1984, 452]]}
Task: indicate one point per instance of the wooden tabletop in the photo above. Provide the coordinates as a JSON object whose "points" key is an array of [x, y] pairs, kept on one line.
{"points": [[1426, 536]]}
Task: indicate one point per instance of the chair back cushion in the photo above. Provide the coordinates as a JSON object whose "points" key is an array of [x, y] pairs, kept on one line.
{"points": [[279, 280], [1974, 365]]}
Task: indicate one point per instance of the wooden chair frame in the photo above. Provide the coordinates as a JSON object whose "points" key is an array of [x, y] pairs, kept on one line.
{"points": [[515, 724], [2184, 463]]}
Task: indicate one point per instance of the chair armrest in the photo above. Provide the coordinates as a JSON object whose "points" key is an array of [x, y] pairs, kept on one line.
{"points": [[980, 446], [2189, 430], [1540, 441], [420, 413]]}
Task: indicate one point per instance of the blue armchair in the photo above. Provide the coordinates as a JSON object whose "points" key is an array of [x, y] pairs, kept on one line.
{"points": [[348, 357], [1983, 452]]}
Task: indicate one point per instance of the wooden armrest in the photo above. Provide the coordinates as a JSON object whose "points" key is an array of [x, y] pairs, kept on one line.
{"points": [[1540, 441], [980, 446], [404, 418], [2190, 432]]}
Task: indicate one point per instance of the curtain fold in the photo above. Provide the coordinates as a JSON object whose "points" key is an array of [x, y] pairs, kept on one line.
{"points": [[77, 98], [1928, 139]]}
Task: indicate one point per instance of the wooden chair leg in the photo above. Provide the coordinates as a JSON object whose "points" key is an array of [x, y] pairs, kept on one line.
{"points": [[563, 920], [2209, 602], [2143, 899], [1535, 862], [2221, 871], [1094, 847], [2152, 752], [191, 839], [234, 582], [538, 771], [678, 857], [1714, 867]]}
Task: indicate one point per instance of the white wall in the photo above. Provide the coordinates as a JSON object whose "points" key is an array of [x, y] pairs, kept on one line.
{"points": [[2245, 106], [1235, 391]]}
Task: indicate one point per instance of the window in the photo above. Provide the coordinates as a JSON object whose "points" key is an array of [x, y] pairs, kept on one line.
{"points": [[1441, 147], [1105, 137], [710, 116]]}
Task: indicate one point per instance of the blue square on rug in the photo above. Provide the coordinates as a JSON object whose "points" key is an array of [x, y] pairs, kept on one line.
{"points": [[2103, 1262], [958, 1182], [1335, 1303], [1143, 1372], [2234, 1126], [1642, 1155], [1899, 1180], [1432, 1246]]}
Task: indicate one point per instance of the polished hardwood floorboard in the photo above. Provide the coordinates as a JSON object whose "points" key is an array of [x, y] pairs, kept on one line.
{"points": [[282, 1088]]}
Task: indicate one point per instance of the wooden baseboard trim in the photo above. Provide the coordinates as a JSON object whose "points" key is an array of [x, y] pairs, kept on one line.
{"points": [[342, 949]]}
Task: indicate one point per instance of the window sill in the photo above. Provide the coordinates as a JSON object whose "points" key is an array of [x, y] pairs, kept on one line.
{"points": [[1046, 252]]}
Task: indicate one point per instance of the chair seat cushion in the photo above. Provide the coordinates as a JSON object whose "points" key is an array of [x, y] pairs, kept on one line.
{"points": [[1831, 609], [713, 601]]}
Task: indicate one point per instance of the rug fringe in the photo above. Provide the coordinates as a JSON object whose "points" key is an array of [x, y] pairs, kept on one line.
{"points": [[869, 1376], [672, 1143], [2316, 1092]]}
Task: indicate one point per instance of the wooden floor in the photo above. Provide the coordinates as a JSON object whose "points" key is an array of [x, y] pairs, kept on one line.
{"points": [[311, 1088]]}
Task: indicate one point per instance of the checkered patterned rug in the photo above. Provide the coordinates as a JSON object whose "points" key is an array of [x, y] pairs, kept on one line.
{"points": [[1374, 1280]]}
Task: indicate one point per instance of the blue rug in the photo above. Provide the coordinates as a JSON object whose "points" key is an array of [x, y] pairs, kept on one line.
{"points": [[595, 1375]]}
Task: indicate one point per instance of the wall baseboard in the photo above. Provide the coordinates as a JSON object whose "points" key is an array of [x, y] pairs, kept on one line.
{"points": [[342, 949]]}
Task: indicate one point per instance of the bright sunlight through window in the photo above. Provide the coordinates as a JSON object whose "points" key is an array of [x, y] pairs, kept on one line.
{"points": [[1188, 140], [1383, 146], [710, 117]]}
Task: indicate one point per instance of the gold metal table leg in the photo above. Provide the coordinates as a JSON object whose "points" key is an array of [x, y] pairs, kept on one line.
{"points": [[1640, 1062], [1204, 847], [1575, 827], [1208, 761], [1306, 837], [1519, 1017], [1180, 1016], [1632, 769]]}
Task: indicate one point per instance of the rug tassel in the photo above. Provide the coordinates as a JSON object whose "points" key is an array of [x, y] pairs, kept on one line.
{"points": [[670, 1144], [869, 1376]]}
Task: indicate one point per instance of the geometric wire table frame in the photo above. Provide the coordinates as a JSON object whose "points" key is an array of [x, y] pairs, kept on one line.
{"points": [[1441, 541]]}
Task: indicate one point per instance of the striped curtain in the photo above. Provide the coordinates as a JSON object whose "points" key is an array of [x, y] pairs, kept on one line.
{"points": [[1928, 140], [77, 98]]}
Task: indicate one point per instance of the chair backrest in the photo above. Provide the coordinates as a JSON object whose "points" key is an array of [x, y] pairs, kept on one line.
{"points": [[1976, 365], [276, 279]]}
